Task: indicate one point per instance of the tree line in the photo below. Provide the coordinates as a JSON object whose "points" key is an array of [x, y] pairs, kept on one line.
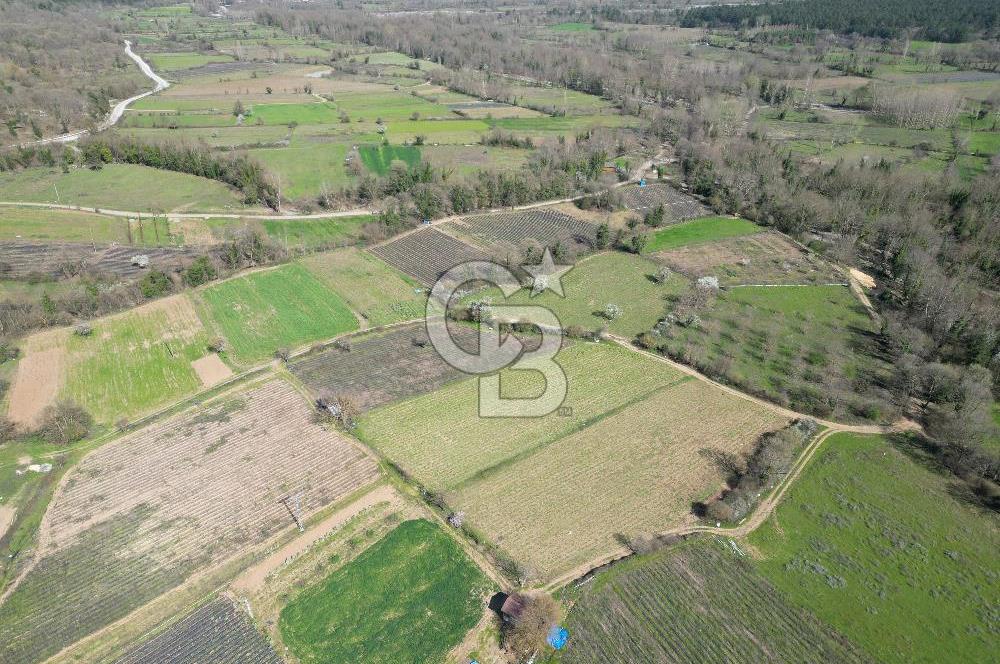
{"points": [[936, 20]]}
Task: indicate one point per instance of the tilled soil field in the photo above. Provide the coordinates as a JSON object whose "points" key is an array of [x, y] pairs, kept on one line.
{"points": [[677, 206], [427, 254], [515, 231], [139, 516], [18, 260], [217, 632], [381, 367]]}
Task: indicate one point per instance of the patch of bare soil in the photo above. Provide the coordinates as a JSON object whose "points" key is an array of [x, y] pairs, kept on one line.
{"points": [[253, 579], [6, 518], [211, 370], [38, 378]]}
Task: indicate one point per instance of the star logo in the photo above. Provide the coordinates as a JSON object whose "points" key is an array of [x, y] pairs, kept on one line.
{"points": [[547, 275]]}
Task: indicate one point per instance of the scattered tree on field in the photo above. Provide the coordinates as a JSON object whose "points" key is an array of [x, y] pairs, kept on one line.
{"points": [[64, 422], [525, 634]]}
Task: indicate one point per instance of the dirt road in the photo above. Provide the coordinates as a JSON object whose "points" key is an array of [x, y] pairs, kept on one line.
{"points": [[119, 109]]}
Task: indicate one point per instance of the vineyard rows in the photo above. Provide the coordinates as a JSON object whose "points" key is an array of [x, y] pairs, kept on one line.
{"points": [[542, 227], [699, 603], [21, 259], [140, 515], [427, 254], [217, 632], [381, 367], [677, 206]]}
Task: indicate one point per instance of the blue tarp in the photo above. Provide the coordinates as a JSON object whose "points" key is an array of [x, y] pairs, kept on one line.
{"points": [[557, 637]]}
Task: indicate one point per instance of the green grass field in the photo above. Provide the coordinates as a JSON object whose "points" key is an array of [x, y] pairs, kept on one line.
{"points": [[373, 289], [176, 61], [572, 27], [409, 598], [283, 114], [119, 186], [389, 106], [441, 440], [247, 135], [378, 158], [872, 542], [135, 362], [22, 223], [306, 168], [660, 607], [609, 278], [282, 307], [696, 231], [315, 233]]}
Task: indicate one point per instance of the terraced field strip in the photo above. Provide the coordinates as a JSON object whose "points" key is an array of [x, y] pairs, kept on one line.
{"points": [[141, 515], [696, 602], [380, 367], [218, 633], [704, 229], [426, 254]]}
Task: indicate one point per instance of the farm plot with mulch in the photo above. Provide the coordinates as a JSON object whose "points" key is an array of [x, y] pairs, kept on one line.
{"points": [[139, 516], [217, 632], [511, 233], [628, 457], [19, 260], [677, 206], [762, 258], [427, 253], [380, 367], [660, 607]]}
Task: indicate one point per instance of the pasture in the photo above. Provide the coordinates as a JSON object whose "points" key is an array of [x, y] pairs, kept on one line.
{"points": [[661, 607], [409, 598], [873, 541], [380, 294], [170, 62], [25, 223], [706, 229], [118, 187], [389, 106], [139, 516], [283, 114], [626, 456], [378, 158], [306, 170], [305, 234], [274, 308]]}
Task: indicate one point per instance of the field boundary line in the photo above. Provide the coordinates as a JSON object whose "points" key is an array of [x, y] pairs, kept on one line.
{"points": [[253, 553]]}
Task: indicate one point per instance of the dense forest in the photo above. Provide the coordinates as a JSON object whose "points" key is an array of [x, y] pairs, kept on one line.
{"points": [[938, 20]]}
